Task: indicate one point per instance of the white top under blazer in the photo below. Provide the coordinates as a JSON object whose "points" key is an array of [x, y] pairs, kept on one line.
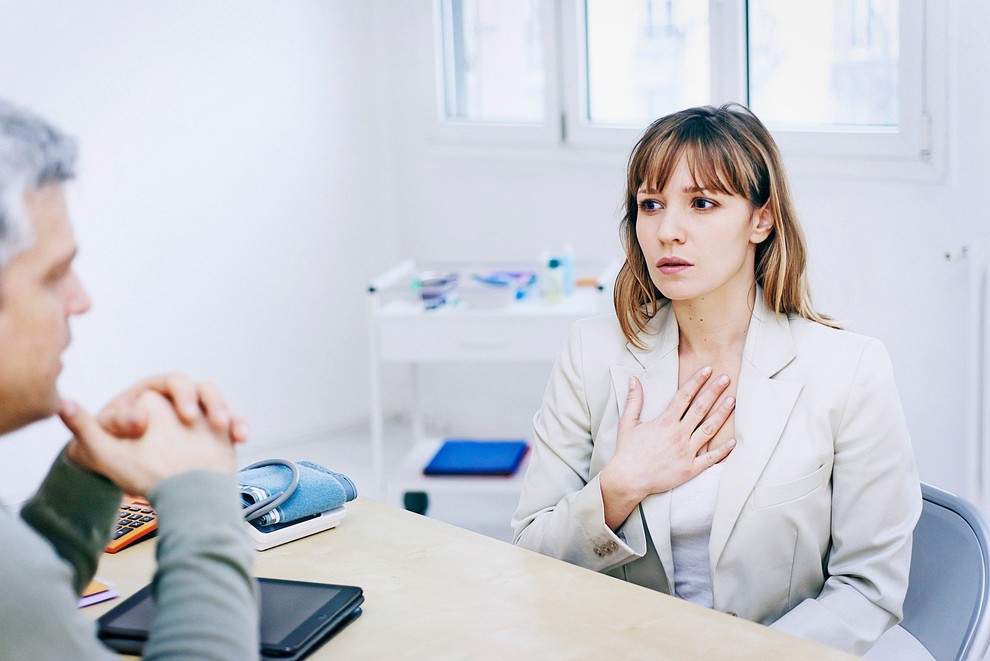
{"points": [[692, 508]]}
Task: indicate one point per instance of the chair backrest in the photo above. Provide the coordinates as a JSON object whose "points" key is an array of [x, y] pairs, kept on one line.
{"points": [[947, 607]]}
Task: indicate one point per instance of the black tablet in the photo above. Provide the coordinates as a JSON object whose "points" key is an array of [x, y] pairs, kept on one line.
{"points": [[296, 617]]}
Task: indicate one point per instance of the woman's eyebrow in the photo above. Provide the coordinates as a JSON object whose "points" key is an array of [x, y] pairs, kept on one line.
{"points": [[702, 190]]}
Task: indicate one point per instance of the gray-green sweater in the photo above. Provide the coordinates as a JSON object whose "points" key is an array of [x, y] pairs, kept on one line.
{"points": [[207, 598]]}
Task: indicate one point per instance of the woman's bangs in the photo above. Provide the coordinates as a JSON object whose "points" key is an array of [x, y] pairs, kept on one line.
{"points": [[654, 166], [716, 167]]}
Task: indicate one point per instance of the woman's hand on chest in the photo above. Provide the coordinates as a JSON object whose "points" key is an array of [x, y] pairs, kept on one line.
{"points": [[657, 455]]}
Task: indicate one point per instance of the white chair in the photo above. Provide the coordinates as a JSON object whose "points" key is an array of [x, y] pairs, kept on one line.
{"points": [[947, 608]]}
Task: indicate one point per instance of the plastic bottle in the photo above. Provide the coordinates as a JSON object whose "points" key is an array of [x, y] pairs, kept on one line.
{"points": [[553, 281], [567, 264]]}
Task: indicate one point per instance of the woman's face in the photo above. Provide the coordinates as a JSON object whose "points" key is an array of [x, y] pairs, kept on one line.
{"points": [[698, 243]]}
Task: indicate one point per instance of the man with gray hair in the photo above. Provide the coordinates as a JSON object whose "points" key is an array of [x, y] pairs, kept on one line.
{"points": [[165, 438]]}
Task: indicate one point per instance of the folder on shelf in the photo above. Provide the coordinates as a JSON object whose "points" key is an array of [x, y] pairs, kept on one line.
{"points": [[472, 457]]}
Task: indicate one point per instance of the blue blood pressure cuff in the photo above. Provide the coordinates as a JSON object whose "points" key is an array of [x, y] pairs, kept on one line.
{"points": [[280, 492]]}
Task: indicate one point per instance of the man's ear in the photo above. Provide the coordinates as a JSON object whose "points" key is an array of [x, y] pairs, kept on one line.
{"points": [[762, 224]]}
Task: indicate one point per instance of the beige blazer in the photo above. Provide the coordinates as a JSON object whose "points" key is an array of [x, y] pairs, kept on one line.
{"points": [[816, 504]]}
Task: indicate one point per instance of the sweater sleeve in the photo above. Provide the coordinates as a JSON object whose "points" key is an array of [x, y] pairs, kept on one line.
{"points": [[205, 594], [46, 558], [75, 510]]}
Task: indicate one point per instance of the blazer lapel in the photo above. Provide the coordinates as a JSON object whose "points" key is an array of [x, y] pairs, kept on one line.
{"points": [[764, 406], [656, 368]]}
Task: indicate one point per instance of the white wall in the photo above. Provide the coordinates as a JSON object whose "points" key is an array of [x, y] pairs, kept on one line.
{"points": [[877, 246], [228, 206]]}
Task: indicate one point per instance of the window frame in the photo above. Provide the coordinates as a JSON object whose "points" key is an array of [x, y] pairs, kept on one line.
{"points": [[727, 54], [912, 151], [903, 142], [454, 130]]}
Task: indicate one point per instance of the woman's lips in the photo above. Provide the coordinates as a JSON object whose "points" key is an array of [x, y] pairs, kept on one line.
{"points": [[673, 265]]}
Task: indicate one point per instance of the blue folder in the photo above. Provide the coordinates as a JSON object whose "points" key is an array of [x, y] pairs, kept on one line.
{"points": [[467, 457]]}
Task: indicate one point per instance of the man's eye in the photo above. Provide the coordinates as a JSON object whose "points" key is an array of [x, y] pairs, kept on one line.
{"points": [[650, 205], [703, 204], [57, 274]]}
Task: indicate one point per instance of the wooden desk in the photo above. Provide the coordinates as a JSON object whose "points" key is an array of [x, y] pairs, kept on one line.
{"points": [[434, 591]]}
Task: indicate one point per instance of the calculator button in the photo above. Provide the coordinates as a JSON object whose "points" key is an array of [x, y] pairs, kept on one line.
{"points": [[136, 520]]}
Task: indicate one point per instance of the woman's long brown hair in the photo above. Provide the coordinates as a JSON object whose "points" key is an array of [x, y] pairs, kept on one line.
{"points": [[728, 151]]}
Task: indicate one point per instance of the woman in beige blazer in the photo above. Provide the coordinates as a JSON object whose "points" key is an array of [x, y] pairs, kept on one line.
{"points": [[717, 438]]}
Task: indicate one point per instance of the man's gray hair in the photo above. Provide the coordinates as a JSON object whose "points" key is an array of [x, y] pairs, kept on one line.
{"points": [[32, 153]]}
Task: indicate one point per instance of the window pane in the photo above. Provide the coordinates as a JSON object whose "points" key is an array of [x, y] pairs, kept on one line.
{"points": [[827, 63], [493, 60], [646, 58]]}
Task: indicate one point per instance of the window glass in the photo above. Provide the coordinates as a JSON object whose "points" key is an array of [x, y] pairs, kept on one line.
{"points": [[645, 58], [824, 64], [493, 66]]}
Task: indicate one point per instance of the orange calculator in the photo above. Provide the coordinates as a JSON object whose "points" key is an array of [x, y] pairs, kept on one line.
{"points": [[136, 521]]}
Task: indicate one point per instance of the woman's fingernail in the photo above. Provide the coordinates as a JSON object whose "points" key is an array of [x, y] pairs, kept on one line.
{"points": [[723, 380], [632, 382], [729, 402], [706, 370]]}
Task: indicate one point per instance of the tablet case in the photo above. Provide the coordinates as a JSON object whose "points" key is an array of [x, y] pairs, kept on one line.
{"points": [[468, 457], [324, 627]]}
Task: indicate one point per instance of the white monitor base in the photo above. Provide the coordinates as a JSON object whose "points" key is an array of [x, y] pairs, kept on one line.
{"points": [[294, 531]]}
